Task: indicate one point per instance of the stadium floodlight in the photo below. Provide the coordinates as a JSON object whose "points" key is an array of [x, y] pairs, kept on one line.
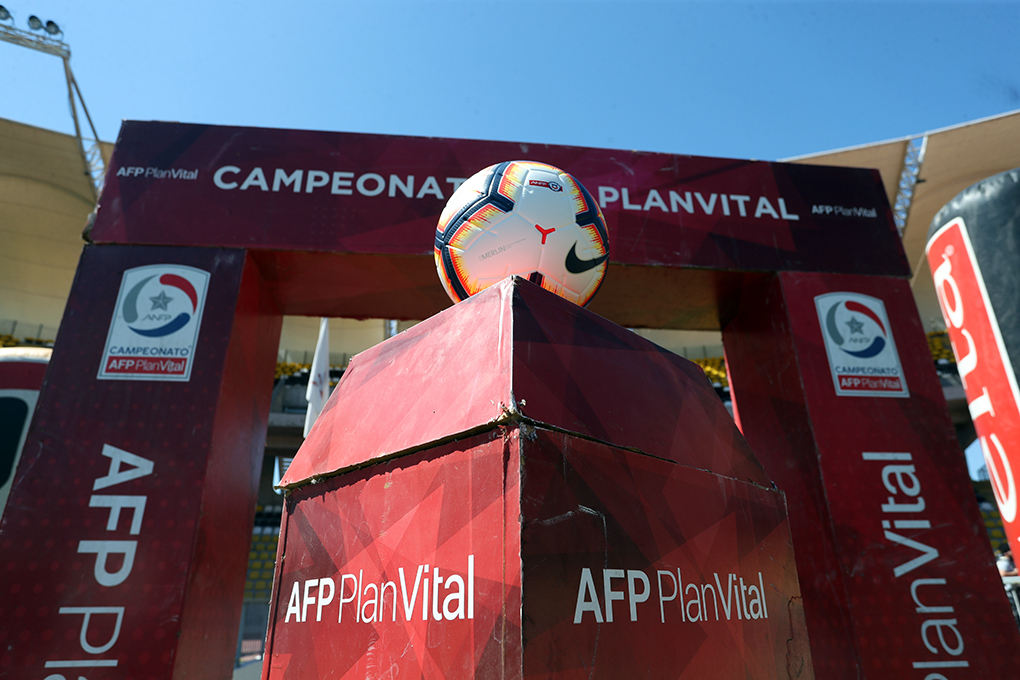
{"points": [[50, 42]]}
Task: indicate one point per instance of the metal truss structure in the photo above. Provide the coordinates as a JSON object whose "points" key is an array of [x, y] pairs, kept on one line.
{"points": [[93, 164], [913, 158]]}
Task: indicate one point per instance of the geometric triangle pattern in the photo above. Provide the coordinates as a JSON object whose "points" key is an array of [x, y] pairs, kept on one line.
{"points": [[639, 567], [402, 570], [579, 372], [528, 552], [517, 487], [516, 351]]}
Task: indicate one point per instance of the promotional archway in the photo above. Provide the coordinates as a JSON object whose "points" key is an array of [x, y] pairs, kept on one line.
{"points": [[126, 533]]}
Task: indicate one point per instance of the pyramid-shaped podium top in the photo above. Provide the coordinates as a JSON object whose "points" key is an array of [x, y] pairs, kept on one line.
{"points": [[518, 352]]}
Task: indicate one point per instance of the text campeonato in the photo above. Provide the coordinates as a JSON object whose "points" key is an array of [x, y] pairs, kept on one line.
{"points": [[346, 183], [149, 351], [340, 183]]}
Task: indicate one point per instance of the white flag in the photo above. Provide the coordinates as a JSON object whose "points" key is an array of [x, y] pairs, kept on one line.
{"points": [[280, 465], [318, 380]]}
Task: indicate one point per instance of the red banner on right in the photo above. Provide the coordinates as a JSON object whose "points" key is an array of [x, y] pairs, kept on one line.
{"points": [[983, 361]]}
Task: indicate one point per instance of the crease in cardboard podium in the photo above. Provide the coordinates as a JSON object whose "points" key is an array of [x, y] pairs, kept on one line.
{"points": [[490, 328], [509, 416]]}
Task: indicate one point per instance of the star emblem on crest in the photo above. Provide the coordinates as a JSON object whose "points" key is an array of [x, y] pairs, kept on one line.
{"points": [[161, 301], [856, 326]]}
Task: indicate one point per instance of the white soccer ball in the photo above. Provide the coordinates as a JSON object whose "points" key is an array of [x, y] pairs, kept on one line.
{"points": [[523, 218]]}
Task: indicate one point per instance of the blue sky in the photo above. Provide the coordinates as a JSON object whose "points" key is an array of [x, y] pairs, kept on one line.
{"points": [[751, 80], [764, 80]]}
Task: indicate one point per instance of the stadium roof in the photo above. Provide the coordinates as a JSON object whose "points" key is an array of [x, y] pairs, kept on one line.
{"points": [[953, 159], [45, 200]]}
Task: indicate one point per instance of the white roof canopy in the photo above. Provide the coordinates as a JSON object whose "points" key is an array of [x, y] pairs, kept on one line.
{"points": [[954, 158]]}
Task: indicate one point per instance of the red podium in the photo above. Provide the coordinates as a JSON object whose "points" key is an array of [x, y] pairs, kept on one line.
{"points": [[517, 487]]}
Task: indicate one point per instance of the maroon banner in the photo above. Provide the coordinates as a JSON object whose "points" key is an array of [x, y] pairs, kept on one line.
{"points": [[171, 183], [134, 498], [897, 572], [983, 362]]}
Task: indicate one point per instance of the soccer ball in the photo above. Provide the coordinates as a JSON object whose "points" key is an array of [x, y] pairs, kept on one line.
{"points": [[523, 218]]}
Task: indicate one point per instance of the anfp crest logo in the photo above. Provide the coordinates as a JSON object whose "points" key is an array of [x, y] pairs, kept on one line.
{"points": [[155, 324], [860, 347]]}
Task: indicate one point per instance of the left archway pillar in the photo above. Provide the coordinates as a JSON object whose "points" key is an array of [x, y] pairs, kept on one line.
{"points": [[125, 539]]}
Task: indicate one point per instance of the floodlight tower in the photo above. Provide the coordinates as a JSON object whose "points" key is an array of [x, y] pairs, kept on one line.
{"points": [[45, 37]]}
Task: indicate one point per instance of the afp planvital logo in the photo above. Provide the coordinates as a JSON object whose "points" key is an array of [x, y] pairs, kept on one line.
{"points": [[860, 347], [155, 324]]}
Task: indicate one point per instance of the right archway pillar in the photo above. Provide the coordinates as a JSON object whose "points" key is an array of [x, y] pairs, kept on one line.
{"points": [[884, 523]]}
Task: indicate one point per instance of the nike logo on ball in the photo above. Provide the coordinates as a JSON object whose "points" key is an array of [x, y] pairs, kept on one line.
{"points": [[575, 265]]}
